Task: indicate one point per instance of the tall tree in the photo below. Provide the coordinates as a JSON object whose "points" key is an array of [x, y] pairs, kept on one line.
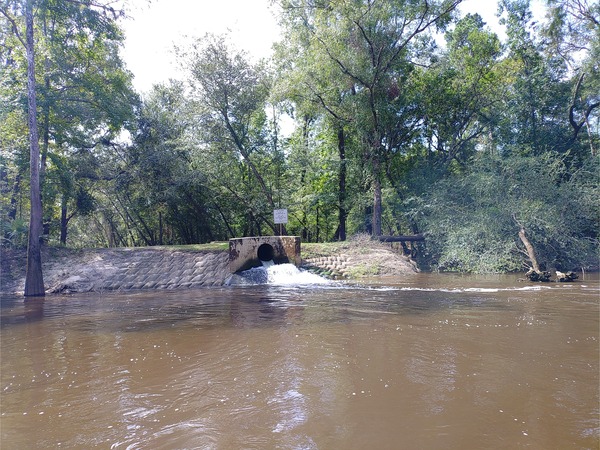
{"points": [[535, 113], [461, 93], [372, 46], [82, 108], [573, 27], [231, 98], [66, 26], [34, 280], [319, 104], [573, 33]]}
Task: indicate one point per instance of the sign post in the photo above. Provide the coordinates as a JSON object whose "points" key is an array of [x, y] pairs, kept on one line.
{"points": [[280, 216]]}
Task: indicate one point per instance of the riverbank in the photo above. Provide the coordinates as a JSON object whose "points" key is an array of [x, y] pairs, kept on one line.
{"points": [[183, 267]]}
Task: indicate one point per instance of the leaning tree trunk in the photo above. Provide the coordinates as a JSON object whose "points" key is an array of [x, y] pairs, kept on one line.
{"points": [[34, 280], [534, 274], [530, 250]]}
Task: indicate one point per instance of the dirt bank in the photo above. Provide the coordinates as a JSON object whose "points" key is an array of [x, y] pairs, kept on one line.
{"points": [[69, 271]]}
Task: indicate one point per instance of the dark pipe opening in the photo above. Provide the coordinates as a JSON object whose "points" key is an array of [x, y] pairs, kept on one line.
{"points": [[265, 252]]}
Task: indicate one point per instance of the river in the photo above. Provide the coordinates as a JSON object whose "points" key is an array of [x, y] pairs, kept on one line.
{"points": [[427, 361]]}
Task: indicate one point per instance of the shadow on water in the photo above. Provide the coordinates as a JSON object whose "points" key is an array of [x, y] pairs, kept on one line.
{"points": [[14, 310]]}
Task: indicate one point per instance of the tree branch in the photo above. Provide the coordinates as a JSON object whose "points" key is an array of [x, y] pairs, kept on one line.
{"points": [[14, 26], [577, 126]]}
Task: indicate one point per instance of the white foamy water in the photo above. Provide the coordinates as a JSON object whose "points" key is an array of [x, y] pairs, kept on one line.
{"points": [[289, 274], [279, 275], [476, 289]]}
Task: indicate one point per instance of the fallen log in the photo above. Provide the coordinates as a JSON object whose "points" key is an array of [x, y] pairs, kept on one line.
{"points": [[566, 277], [538, 276]]}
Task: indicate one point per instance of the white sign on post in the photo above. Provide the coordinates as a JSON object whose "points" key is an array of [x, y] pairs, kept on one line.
{"points": [[280, 216]]}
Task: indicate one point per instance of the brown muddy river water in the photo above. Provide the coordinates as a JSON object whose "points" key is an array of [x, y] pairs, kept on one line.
{"points": [[424, 362]]}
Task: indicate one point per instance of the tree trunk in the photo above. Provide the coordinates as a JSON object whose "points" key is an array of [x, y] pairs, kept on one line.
{"points": [[530, 251], [377, 208], [342, 211], [109, 231], [64, 221], [45, 109], [63, 224], [14, 197], [160, 228], [34, 280], [317, 226], [376, 229]]}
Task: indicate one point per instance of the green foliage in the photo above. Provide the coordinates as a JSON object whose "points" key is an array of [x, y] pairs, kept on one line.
{"points": [[461, 92], [472, 221], [237, 148], [85, 202], [535, 106], [83, 93], [356, 59], [14, 233]]}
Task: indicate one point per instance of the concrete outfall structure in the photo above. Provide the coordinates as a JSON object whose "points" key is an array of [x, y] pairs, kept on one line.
{"points": [[248, 252]]}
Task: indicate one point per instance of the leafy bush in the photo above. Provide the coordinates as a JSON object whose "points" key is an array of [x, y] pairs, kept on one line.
{"points": [[472, 221], [14, 233]]}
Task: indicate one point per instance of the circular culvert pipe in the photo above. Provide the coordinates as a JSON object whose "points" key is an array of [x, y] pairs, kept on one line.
{"points": [[265, 252]]}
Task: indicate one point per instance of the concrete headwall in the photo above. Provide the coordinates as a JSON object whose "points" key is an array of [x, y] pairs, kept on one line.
{"points": [[248, 252]]}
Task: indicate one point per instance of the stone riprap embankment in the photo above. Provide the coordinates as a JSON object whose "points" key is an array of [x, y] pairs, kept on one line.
{"points": [[124, 269], [353, 265]]}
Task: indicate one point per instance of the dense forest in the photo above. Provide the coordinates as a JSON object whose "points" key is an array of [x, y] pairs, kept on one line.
{"points": [[386, 117]]}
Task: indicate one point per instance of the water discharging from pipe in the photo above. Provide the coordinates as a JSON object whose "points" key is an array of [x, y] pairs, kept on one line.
{"points": [[279, 275]]}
